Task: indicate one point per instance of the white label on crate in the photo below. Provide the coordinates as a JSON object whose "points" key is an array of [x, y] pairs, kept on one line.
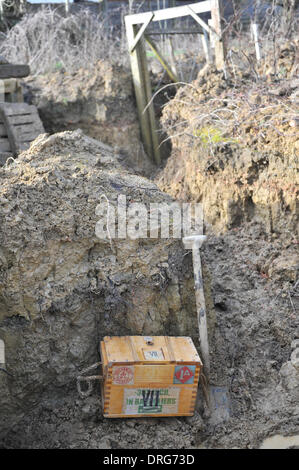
{"points": [[140, 401], [123, 375], [156, 355]]}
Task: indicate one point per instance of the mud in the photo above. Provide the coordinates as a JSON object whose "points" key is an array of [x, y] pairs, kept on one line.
{"points": [[63, 288], [251, 351]]}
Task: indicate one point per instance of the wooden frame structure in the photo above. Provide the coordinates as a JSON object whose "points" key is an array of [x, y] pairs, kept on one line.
{"points": [[140, 73]]}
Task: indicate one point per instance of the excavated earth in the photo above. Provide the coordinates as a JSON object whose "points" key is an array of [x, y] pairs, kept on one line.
{"points": [[99, 101], [235, 147], [63, 288], [235, 150]]}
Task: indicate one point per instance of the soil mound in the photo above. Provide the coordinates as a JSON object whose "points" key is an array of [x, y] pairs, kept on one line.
{"points": [[235, 148], [61, 287], [100, 101]]}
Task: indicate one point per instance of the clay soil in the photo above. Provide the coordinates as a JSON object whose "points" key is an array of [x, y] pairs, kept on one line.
{"points": [[254, 294], [241, 162]]}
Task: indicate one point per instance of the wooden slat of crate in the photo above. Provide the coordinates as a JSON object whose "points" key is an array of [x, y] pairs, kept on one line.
{"points": [[9, 85], [153, 374], [121, 348], [186, 398], [21, 119], [15, 109], [27, 133], [4, 144], [3, 132], [11, 70], [22, 123]]}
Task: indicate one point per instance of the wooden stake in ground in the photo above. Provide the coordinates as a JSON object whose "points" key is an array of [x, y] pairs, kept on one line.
{"points": [[219, 38], [2, 353], [254, 29]]}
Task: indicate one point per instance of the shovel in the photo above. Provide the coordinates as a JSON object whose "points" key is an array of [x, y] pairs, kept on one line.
{"points": [[217, 396]]}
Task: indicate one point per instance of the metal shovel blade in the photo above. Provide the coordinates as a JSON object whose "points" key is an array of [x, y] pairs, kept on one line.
{"points": [[219, 404]]}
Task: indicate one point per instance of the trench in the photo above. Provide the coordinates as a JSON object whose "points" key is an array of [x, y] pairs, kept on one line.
{"points": [[249, 273]]}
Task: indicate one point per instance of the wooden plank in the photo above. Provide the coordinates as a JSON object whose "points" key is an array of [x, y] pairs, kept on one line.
{"points": [[170, 13], [219, 39], [14, 71], [9, 85], [14, 109], [24, 139], [142, 347], [184, 349], [206, 47], [4, 145], [141, 31], [185, 397], [150, 107], [26, 130], [153, 374], [139, 82], [3, 131], [20, 119], [118, 349], [202, 23], [162, 61]]}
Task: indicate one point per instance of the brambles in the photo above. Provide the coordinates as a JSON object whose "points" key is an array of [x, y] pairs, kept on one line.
{"points": [[49, 42]]}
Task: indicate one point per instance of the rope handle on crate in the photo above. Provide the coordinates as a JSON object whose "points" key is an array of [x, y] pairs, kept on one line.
{"points": [[89, 379]]}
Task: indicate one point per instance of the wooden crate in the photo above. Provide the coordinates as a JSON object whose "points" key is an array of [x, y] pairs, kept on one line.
{"points": [[4, 142], [11, 91], [22, 125], [149, 376]]}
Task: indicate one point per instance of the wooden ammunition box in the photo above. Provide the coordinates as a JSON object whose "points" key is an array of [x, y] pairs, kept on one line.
{"points": [[149, 376]]}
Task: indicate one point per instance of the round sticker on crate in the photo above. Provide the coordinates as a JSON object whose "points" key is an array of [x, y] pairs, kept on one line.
{"points": [[184, 375], [123, 375]]}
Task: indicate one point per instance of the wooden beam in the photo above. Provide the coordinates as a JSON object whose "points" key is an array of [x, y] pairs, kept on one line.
{"points": [[206, 47], [219, 39], [198, 20], [14, 71], [143, 94], [141, 31], [156, 152], [162, 61], [170, 13]]}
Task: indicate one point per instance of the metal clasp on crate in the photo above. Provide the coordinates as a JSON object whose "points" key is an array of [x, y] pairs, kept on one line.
{"points": [[89, 379]]}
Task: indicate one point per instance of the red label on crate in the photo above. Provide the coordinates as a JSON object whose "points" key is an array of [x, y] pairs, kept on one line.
{"points": [[123, 375], [184, 374]]}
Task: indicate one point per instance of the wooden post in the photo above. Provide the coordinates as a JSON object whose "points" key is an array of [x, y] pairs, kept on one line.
{"points": [[143, 92], [205, 45], [212, 34], [219, 39], [254, 30], [140, 73], [1, 9]]}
